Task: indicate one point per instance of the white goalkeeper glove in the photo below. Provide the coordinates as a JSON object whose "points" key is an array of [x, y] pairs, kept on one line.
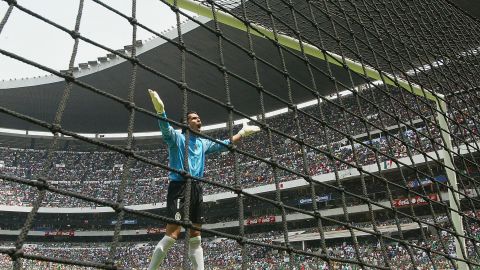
{"points": [[157, 102], [248, 130]]}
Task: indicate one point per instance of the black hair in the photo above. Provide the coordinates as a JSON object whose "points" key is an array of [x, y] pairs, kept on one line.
{"points": [[186, 116]]}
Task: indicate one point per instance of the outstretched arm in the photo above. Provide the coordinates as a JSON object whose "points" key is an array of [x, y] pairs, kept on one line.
{"points": [[212, 147], [168, 133], [244, 132], [157, 102]]}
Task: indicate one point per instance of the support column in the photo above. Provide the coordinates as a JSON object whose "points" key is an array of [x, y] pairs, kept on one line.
{"points": [[453, 197]]}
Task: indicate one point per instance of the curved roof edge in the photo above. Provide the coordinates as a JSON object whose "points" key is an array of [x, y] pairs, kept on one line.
{"points": [[108, 61], [153, 134]]}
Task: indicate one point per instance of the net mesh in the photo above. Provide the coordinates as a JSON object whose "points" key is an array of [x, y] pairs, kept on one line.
{"points": [[386, 159]]}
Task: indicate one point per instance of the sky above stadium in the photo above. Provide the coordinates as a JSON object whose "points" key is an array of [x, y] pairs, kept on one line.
{"points": [[38, 41]]}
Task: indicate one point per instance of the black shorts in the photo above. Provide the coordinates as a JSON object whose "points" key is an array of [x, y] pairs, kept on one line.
{"points": [[176, 199]]}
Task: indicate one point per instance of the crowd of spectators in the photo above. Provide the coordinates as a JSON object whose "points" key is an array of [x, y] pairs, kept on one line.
{"points": [[224, 253], [100, 173]]}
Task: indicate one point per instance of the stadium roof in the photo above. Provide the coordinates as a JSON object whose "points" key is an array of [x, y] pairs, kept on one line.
{"points": [[92, 113]]}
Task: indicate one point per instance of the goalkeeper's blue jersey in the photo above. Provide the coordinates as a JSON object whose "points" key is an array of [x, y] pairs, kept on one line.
{"points": [[198, 148]]}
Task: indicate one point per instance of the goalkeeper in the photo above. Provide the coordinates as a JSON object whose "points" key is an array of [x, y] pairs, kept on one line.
{"points": [[197, 149]]}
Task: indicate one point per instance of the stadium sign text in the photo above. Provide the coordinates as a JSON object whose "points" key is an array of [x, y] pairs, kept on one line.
{"points": [[426, 181], [261, 220], [322, 198], [417, 200], [125, 222], [60, 233]]}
